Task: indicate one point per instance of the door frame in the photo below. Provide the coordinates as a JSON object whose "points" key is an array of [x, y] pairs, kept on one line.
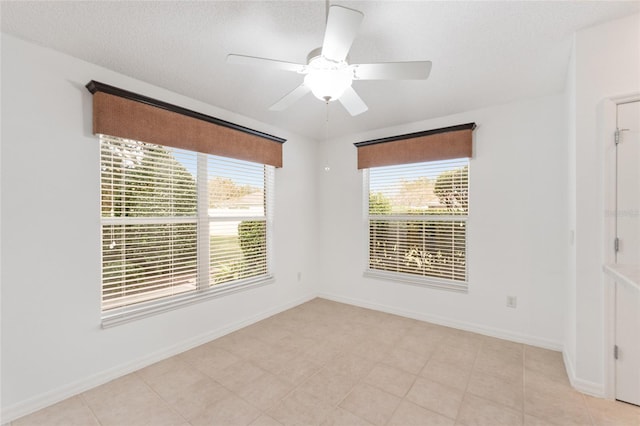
{"points": [[608, 124]]}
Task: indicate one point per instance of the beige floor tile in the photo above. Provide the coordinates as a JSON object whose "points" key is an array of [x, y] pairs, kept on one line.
{"points": [[355, 333], [371, 349], [300, 408], [530, 420], [341, 338], [265, 391], [239, 375], [420, 344], [502, 346], [464, 341], [502, 352], [192, 400], [390, 379], [463, 359], [476, 411], [242, 345], [270, 333], [539, 382], [318, 331], [295, 343], [171, 383], [612, 413], [447, 374], [150, 414], [372, 404], [324, 353], [410, 414], [411, 362], [350, 365], [272, 359], [546, 362], [497, 389], [210, 359], [506, 365], [265, 420], [554, 401], [131, 383], [541, 354], [436, 397], [342, 417], [562, 408], [432, 332], [229, 411], [298, 369], [285, 321], [129, 400], [70, 412], [161, 367], [389, 333], [329, 386]]}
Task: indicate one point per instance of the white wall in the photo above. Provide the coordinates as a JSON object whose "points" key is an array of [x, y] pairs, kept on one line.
{"points": [[517, 228], [607, 65], [52, 343]]}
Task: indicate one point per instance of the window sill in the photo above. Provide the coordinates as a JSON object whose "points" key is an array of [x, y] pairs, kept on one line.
{"points": [[457, 286], [143, 310]]}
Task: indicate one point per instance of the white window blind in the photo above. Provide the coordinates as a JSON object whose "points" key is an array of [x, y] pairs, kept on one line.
{"points": [[178, 226], [417, 222], [237, 216]]}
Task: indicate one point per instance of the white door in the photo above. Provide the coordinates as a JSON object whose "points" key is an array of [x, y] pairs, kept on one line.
{"points": [[628, 184], [628, 232], [628, 343]]}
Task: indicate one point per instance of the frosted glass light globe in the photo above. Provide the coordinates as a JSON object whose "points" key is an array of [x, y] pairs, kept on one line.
{"points": [[327, 80]]}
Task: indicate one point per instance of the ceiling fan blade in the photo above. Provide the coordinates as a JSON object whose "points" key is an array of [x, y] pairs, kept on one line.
{"points": [[290, 98], [265, 62], [418, 70], [342, 27], [352, 102]]}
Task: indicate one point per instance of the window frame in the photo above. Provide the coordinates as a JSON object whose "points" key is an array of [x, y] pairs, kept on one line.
{"points": [[204, 290], [403, 277]]}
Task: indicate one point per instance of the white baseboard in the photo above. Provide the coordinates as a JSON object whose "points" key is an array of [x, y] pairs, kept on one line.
{"points": [[46, 399], [448, 322], [581, 385]]}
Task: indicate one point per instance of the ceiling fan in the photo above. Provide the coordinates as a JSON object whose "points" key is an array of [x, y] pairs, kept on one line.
{"points": [[327, 73]]}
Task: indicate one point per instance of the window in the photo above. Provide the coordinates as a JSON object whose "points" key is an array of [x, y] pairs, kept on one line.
{"points": [[178, 226], [417, 222]]}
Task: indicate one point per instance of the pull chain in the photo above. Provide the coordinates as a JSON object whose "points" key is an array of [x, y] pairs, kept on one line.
{"points": [[326, 140]]}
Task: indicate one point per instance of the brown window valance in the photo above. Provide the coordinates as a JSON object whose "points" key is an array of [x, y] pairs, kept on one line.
{"points": [[431, 145], [124, 114]]}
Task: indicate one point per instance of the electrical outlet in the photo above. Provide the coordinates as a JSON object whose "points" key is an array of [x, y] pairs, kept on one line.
{"points": [[299, 276], [512, 301]]}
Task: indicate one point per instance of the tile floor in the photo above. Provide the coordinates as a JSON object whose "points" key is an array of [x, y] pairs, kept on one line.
{"points": [[326, 363]]}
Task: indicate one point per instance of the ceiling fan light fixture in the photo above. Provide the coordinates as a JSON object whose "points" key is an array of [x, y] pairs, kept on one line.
{"points": [[327, 79], [327, 72]]}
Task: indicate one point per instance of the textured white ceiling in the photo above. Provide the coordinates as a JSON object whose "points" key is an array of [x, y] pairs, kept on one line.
{"points": [[483, 53]]}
